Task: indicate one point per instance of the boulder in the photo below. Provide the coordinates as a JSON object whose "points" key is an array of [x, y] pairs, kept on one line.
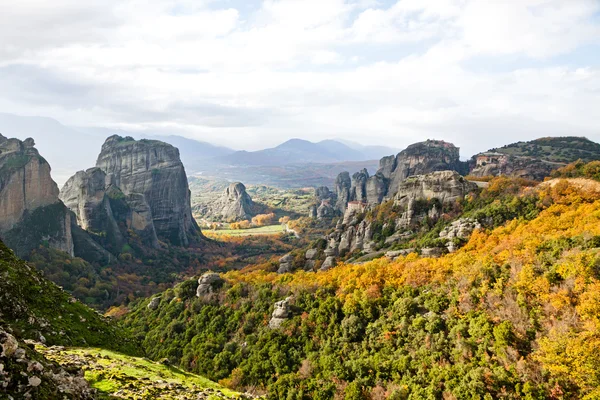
{"points": [[311, 254], [281, 312], [432, 252], [285, 264], [328, 263], [207, 283], [154, 303]]}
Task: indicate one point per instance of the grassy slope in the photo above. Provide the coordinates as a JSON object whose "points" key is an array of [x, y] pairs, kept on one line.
{"points": [[134, 377], [32, 306]]}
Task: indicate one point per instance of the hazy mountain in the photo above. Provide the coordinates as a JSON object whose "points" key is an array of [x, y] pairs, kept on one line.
{"points": [[371, 152], [298, 151]]}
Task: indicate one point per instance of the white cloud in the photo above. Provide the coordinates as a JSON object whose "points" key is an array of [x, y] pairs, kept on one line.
{"points": [[376, 73]]}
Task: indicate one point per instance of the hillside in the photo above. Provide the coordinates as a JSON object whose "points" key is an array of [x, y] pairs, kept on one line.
{"points": [[536, 159], [35, 308], [565, 149], [511, 314]]}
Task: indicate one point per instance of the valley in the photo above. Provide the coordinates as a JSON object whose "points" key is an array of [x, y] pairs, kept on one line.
{"points": [[427, 275]]}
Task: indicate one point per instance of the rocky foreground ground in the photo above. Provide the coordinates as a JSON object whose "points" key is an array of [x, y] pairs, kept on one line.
{"points": [[117, 376]]}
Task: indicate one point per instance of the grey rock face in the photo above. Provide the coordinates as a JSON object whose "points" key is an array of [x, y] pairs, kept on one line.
{"points": [[462, 229], [207, 283], [424, 158], [325, 210], [154, 170], [154, 303], [285, 264], [447, 186], [281, 312], [235, 204], [376, 188], [91, 198], [343, 183], [323, 193], [311, 254], [358, 188], [328, 263], [433, 252], [417, 159], [30, 210]]}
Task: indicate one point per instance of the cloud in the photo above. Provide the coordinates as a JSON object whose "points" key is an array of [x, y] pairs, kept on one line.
{"points": [[252, 74]]}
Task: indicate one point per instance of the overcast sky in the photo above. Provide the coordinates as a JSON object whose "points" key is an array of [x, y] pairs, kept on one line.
{"points": [[250, 73]]}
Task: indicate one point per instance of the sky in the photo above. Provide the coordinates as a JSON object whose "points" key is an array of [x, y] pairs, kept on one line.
{"points": [[250, 74]]}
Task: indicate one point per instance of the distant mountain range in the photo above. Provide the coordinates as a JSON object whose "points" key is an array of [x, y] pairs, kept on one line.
{"points": [[298, 151], [55, 140]]}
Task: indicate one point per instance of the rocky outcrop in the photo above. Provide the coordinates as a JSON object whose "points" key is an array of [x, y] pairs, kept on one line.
{"points": [[208, 283], [417, 159], [419, 198], [496, 164], [459, 229], [92, 199], [325, 210], [152, 172], [30, 210], [343, 183], [235, 204], [280, 314], [446, 186], [286, 264], [26, 374], [423, 158], [311, 256], [154, 303]]}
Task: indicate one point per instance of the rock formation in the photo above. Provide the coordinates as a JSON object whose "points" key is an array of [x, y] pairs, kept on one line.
{"points": [[140, 185], [355, 233], [207, 283], [154, 170], [285, 264], [280, 313], [26, 374], [496, 164], [235, 204], [459, 229], [417, 159], [30, 210], [343, 183], [446, 186]]}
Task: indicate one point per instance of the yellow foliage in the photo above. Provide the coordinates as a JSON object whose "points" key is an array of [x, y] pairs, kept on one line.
{"points": [[570, 349]]}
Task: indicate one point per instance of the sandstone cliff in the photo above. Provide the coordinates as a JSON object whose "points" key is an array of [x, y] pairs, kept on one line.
{"points": [[152, 178], [30, 212]]}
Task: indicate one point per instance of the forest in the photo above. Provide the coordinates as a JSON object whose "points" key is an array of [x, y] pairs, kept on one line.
{"points": [[512, 314]]}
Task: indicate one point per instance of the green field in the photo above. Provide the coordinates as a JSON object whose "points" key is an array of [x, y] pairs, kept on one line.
{"points": [[134, 377], [263, 230]]}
